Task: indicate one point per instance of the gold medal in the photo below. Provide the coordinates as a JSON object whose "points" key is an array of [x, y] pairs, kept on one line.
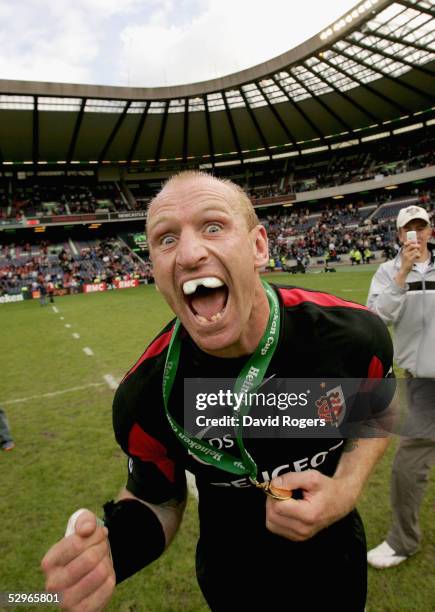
{"points": [[274, 492]]}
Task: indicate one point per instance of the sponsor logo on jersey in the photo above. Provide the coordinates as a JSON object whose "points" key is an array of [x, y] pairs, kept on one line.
{"points": [[305, 463], [332, 406]]}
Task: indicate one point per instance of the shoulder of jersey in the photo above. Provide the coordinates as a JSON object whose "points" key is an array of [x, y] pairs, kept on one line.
{"points": [[297, 296], [155, 351]]}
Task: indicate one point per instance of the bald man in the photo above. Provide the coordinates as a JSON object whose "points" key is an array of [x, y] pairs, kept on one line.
{"points": [[258, 543]]}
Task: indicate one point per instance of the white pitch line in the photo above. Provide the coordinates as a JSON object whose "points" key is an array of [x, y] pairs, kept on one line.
{"points": [[88, 351], [67, 325], [111, 382], [53, 394], [348, 290], [76, 336], [55, 309], [191, 485]]}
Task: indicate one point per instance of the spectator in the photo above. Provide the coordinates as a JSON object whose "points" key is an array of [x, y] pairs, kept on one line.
{"points": [[367, 255], [6, 440], [398, 293], [42, 294]]}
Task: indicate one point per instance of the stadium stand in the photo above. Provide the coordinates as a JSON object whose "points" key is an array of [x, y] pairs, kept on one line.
{"points": [[36, 196], [329, 145], [331, 231], [69, 266], [330, 140]]}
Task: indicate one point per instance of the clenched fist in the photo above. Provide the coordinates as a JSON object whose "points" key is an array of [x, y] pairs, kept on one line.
{"points": [[80, 566]]}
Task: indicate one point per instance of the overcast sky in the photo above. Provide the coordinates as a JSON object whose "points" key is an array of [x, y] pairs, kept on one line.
{"points": [[151, 42]]}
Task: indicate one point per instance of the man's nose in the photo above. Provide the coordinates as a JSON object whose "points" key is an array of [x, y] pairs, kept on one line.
{"points": [[191, 251]]}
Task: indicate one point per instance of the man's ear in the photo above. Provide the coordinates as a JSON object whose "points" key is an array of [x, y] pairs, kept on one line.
{"points": [[261, 247]]}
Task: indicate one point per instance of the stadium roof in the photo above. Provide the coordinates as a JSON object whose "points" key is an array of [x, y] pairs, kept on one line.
{"points": [[371, 72]]}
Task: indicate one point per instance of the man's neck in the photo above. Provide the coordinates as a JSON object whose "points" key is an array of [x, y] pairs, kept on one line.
{"points": [[253, 330], [424, 256]]}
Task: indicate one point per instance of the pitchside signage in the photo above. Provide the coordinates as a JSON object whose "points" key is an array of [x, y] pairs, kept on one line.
{"points": [[7, 299], [53, 219], [117, 284], [136, 214]]}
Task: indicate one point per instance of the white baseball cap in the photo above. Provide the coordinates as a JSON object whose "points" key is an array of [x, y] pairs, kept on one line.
{"points": [[411, 212]]}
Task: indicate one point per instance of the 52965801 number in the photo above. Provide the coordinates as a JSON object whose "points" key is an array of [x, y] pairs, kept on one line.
{"points": [[17, 598]]}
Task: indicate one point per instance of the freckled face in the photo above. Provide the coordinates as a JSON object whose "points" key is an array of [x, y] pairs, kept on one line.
{"points": [[206, 261]]}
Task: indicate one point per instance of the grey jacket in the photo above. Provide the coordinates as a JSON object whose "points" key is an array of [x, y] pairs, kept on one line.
{"points": [[411, 311]]}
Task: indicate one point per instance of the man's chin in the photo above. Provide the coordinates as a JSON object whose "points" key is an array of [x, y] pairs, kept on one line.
{"points": [[215, 340]]}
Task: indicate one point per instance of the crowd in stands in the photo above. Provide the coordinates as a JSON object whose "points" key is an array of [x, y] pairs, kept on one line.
{"points": [[386, 158], [44, 196], [296, 236], [35, 199], [353, 230], [338, 230], [352, 171], [27, 267]]}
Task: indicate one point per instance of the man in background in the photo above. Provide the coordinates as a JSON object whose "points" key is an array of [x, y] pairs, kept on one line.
{"points": [[402, 293], [6, 441]]}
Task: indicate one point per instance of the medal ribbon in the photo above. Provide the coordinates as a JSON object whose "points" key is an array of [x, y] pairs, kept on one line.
{"points": [[250, 377]]}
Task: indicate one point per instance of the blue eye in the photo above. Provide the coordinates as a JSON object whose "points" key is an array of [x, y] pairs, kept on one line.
{"points": [[213, 228], [167, 240]]}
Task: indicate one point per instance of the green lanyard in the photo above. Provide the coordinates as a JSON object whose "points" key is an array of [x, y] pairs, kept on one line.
{"points": [[249, 378]]}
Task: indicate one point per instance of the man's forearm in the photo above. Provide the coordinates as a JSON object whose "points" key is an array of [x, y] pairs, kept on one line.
{"points": [[170, 514], [357, 462]]}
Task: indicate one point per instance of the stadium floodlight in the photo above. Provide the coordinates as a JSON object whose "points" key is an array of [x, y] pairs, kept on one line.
{"points": [[375, 136], [314, 150], [408, 128], [289, 154]]}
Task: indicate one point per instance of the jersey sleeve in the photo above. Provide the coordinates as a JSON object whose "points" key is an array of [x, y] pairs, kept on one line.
{"points": [[142, 431], [145, 482], [373, 398]]}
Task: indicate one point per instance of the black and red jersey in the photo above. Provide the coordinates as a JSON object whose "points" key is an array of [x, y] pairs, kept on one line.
{"points": [[320, 336]]}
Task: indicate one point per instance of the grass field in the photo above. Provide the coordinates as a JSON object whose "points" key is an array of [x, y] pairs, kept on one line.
{"points": [[59, 406]]}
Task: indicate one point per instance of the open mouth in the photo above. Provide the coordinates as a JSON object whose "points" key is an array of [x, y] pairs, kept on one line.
{"points": [[206, 297]]}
